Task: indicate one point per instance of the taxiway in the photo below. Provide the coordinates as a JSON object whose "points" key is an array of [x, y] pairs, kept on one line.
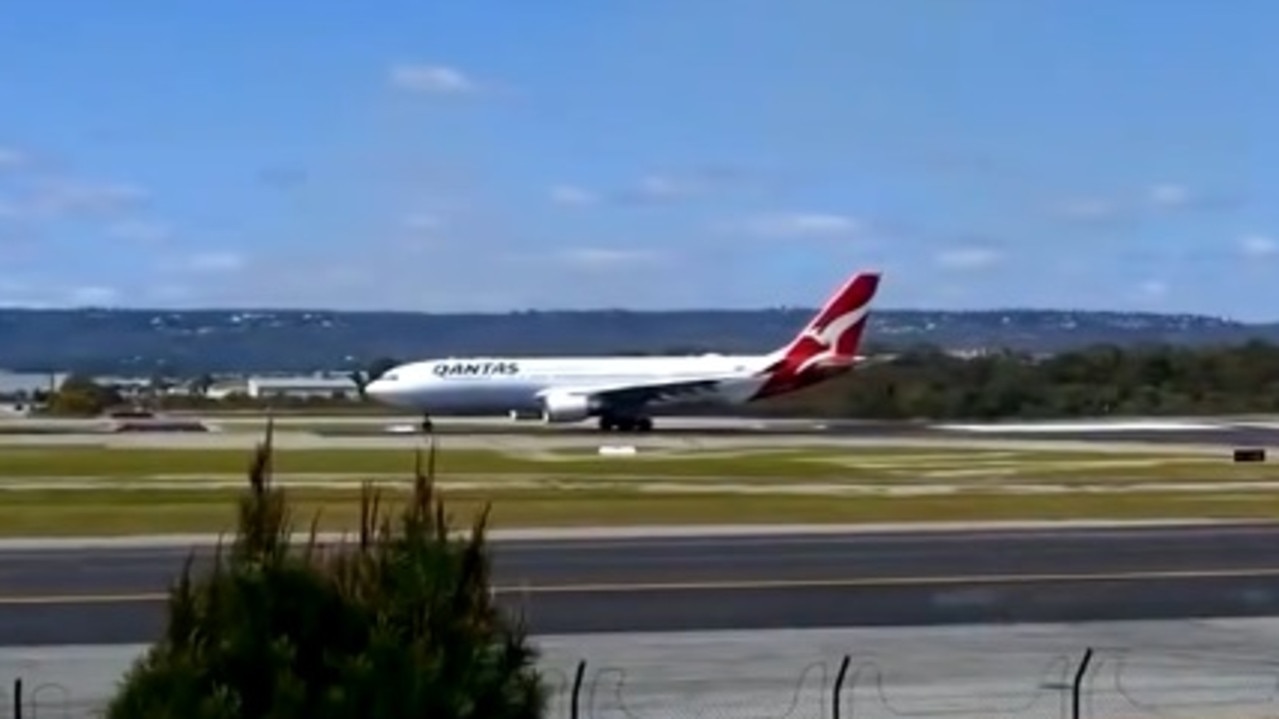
{"points": [[115, 595], [1233, 430], [1187, 434]]}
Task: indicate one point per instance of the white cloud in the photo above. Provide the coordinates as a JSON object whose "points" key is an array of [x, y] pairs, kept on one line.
{"points": [[1153, 289], [1170, 195], [423, 221], [968, 258], [802, 224], [571, 195], [61, 198], [1258, 246], [222, 261], [595, 258], [659, 187], [207, 262], [11, 158], [14, 286], [674, 187], [1164, 197], [93, 295], [1088, 210], [433, 79], [169, 293], [140, 231]]}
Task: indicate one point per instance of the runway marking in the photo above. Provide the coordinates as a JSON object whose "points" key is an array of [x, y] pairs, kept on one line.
{"points": [[738, 585], [877, 582]]}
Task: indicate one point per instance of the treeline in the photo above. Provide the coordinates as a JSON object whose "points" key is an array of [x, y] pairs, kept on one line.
{"points": [[1101, 380], [928, 383], [188, 342]]}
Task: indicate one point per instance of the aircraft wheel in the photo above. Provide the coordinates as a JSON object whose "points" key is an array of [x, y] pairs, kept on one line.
{"points": [[644, 424]]}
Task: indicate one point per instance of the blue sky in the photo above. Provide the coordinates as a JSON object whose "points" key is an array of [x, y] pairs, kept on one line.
{"points": [[640, 153]]}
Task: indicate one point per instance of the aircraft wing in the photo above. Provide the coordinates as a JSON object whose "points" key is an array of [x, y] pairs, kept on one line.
{"points": [[632, 395]]}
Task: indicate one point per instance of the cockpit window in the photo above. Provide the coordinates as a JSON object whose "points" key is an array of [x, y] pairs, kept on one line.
{"points": [[391, 377]]}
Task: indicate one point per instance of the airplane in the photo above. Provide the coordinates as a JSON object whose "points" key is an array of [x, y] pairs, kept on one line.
{"points": [[619, 391]]}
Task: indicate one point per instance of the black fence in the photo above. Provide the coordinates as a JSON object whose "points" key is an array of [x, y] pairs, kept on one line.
{"points": [[1109, 683]]}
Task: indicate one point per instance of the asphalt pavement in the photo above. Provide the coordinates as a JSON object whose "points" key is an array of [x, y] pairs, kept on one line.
{"points": [[116, 595], [1207, 431], [1212, 431]]}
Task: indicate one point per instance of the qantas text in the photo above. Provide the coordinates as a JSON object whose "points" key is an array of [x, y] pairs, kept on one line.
{"points": [[476, 369]]}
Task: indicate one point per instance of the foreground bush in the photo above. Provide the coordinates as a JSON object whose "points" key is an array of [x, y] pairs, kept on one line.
{"points": [[400, 623]]}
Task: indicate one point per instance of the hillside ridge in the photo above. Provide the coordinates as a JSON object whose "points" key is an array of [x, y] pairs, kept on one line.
{"points": [[293, 340]]}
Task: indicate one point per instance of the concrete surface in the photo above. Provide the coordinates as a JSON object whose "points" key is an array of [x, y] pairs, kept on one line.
{"points": [[1142, 669], [183, 541]]}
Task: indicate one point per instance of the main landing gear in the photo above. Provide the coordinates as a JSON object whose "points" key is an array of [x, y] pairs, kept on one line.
{"points": [[427, 427], [624, 423]]}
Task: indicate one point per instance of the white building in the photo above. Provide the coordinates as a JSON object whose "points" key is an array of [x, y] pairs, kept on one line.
{"points": [[130, 387], [302, 386], [223, 390], [22, 385]]}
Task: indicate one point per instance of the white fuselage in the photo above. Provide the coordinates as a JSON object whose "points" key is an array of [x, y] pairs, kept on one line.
{"points": [[618, 389], [502, 384]]}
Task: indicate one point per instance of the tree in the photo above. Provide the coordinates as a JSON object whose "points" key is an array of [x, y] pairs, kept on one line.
{"points": [[380, 366], [80, 395], [401, 623], [202, 384], [1164, 379]]}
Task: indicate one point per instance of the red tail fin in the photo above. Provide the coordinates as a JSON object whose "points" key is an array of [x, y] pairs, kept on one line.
{"points": [[836, 331], [828, 342]]}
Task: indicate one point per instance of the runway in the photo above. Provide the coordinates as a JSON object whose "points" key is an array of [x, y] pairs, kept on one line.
{"points": [[1207, 435], [1220, 431], [668, 583]]}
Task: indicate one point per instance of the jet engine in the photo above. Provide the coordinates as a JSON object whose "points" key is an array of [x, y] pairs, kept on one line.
{"points": [[560, 407]]}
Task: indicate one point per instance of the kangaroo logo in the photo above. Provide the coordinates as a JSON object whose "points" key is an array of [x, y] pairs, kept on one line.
{"points": [[831, 340], [833, 334]]}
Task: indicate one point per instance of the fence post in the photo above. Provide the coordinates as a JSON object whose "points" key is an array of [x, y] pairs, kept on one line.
{"points": [[1076, 687], [837, 691], [17, 698], [574, 707]]}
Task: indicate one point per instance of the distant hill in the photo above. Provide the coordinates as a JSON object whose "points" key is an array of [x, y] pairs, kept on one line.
{"points": [[189, 342]]}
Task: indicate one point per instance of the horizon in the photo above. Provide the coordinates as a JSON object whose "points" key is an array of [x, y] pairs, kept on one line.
{"points": [[459, 158], [608, 310]]}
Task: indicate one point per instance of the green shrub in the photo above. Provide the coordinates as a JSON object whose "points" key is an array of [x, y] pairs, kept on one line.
{"points": [[400, 623]]}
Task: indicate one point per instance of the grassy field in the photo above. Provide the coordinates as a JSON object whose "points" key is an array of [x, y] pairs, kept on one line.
{"points": [[91, 490], [113, 512], [902, 464]]}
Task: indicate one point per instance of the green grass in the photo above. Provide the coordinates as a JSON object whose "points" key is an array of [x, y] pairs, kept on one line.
{"points": [[113, 512], [96, 461], [900, 464], [602, 492]]}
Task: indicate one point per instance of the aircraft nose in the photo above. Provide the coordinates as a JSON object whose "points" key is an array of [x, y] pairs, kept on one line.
{"points": [[377, 389]]}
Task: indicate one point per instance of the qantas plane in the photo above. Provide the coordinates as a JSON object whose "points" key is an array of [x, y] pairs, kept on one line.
{"points": [[620, 390]]}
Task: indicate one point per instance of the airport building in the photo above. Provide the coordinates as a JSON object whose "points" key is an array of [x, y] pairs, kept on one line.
{"points": [[15, 386], [20, 391], [302, 386], [127, 387], [220, 390]]}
